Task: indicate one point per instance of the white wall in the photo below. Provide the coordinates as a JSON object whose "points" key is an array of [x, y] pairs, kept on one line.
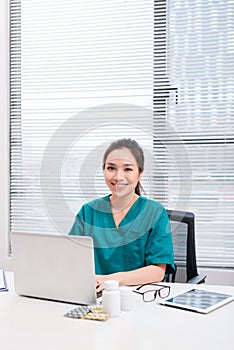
{"points": [[218, 276]]}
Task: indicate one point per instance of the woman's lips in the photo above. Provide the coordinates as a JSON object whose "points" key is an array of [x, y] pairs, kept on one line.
{"points": [[120, 186]]}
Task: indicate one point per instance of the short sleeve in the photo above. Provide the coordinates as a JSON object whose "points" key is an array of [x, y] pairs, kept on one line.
{"points": [[78, 225], [159, 248]]}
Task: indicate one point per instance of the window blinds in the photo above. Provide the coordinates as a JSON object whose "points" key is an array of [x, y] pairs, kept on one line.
{"points": [[86, 72], [81, 76], [196, 144]]}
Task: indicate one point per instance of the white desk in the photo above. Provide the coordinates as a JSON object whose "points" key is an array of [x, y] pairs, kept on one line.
{"points": [[32, 324]]}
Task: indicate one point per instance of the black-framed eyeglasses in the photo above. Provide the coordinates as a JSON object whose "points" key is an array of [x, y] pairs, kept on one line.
{"points": [[149, 293]]}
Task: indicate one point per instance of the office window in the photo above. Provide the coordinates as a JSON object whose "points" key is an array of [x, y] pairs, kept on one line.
{"points": [[200, 66], [81, 76], [86, 72]]}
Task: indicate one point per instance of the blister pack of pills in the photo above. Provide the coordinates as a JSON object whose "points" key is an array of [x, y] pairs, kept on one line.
{"points": [[77, 312], [92, 312]]}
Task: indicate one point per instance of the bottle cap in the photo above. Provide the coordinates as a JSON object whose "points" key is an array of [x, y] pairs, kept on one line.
{"points": [[111, 284]]}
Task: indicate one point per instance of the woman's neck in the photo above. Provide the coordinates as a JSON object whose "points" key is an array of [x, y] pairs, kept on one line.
{"points": [[122, 203]]}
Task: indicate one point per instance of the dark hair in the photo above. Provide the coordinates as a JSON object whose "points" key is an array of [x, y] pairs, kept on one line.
{"points": [[136, 151]]}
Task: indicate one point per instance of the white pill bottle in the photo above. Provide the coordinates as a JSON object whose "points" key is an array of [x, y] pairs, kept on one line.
{"points": [[126, 298], [111, 298]]}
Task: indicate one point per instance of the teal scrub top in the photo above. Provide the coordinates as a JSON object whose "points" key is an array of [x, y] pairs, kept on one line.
{"points": [[142, 238]]}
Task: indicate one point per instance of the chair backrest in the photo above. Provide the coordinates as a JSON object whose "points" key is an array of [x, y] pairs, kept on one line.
{"points": [[183, 235]]}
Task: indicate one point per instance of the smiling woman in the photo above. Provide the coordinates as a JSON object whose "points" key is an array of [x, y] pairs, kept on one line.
{"points": [[121, 172], [133, 157], [131, 233], [123, 165]]}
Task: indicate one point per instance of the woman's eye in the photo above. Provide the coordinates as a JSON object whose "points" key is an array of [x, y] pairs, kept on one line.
{"points": [[110, 168], [128, 169]]}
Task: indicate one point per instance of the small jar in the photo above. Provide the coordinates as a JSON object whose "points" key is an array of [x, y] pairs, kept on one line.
{"points": [[111, 298], [126, 298]]}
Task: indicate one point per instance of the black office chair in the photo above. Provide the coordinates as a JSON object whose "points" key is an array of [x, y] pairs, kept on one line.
{"points": [[183, 235]]}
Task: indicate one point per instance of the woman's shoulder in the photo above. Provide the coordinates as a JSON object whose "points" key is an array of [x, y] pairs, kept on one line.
{"points": [[151, 211], [151, 203], [153, 208]]}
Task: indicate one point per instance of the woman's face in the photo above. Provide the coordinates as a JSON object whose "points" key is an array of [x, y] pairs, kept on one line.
{"points": [[121, 172]]}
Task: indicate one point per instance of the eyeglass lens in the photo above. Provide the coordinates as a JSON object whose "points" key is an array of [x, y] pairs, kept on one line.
{"points": [[164, 292], [150, 295]]}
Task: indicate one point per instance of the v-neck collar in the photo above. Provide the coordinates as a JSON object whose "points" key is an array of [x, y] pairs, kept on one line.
{"points": [[130, 216]]}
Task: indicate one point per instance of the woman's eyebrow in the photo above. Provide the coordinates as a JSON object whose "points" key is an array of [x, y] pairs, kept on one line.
{"points": [[131, 164]]}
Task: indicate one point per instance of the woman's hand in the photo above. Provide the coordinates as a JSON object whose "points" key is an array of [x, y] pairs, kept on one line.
{"points": [[146, 274], [100, 279], [99, 283]]}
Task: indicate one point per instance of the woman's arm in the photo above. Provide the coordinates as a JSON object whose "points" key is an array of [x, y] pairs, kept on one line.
{"points": [[146, 274]]}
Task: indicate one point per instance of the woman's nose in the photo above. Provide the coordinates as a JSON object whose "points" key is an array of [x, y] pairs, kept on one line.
{"points": [[119, 174]]}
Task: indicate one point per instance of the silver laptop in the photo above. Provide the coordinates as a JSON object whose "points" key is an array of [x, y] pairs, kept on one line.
{"points": [[54, 267]]}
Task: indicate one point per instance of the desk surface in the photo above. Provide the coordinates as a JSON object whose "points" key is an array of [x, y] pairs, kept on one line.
{"points": [[33, 324]]}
